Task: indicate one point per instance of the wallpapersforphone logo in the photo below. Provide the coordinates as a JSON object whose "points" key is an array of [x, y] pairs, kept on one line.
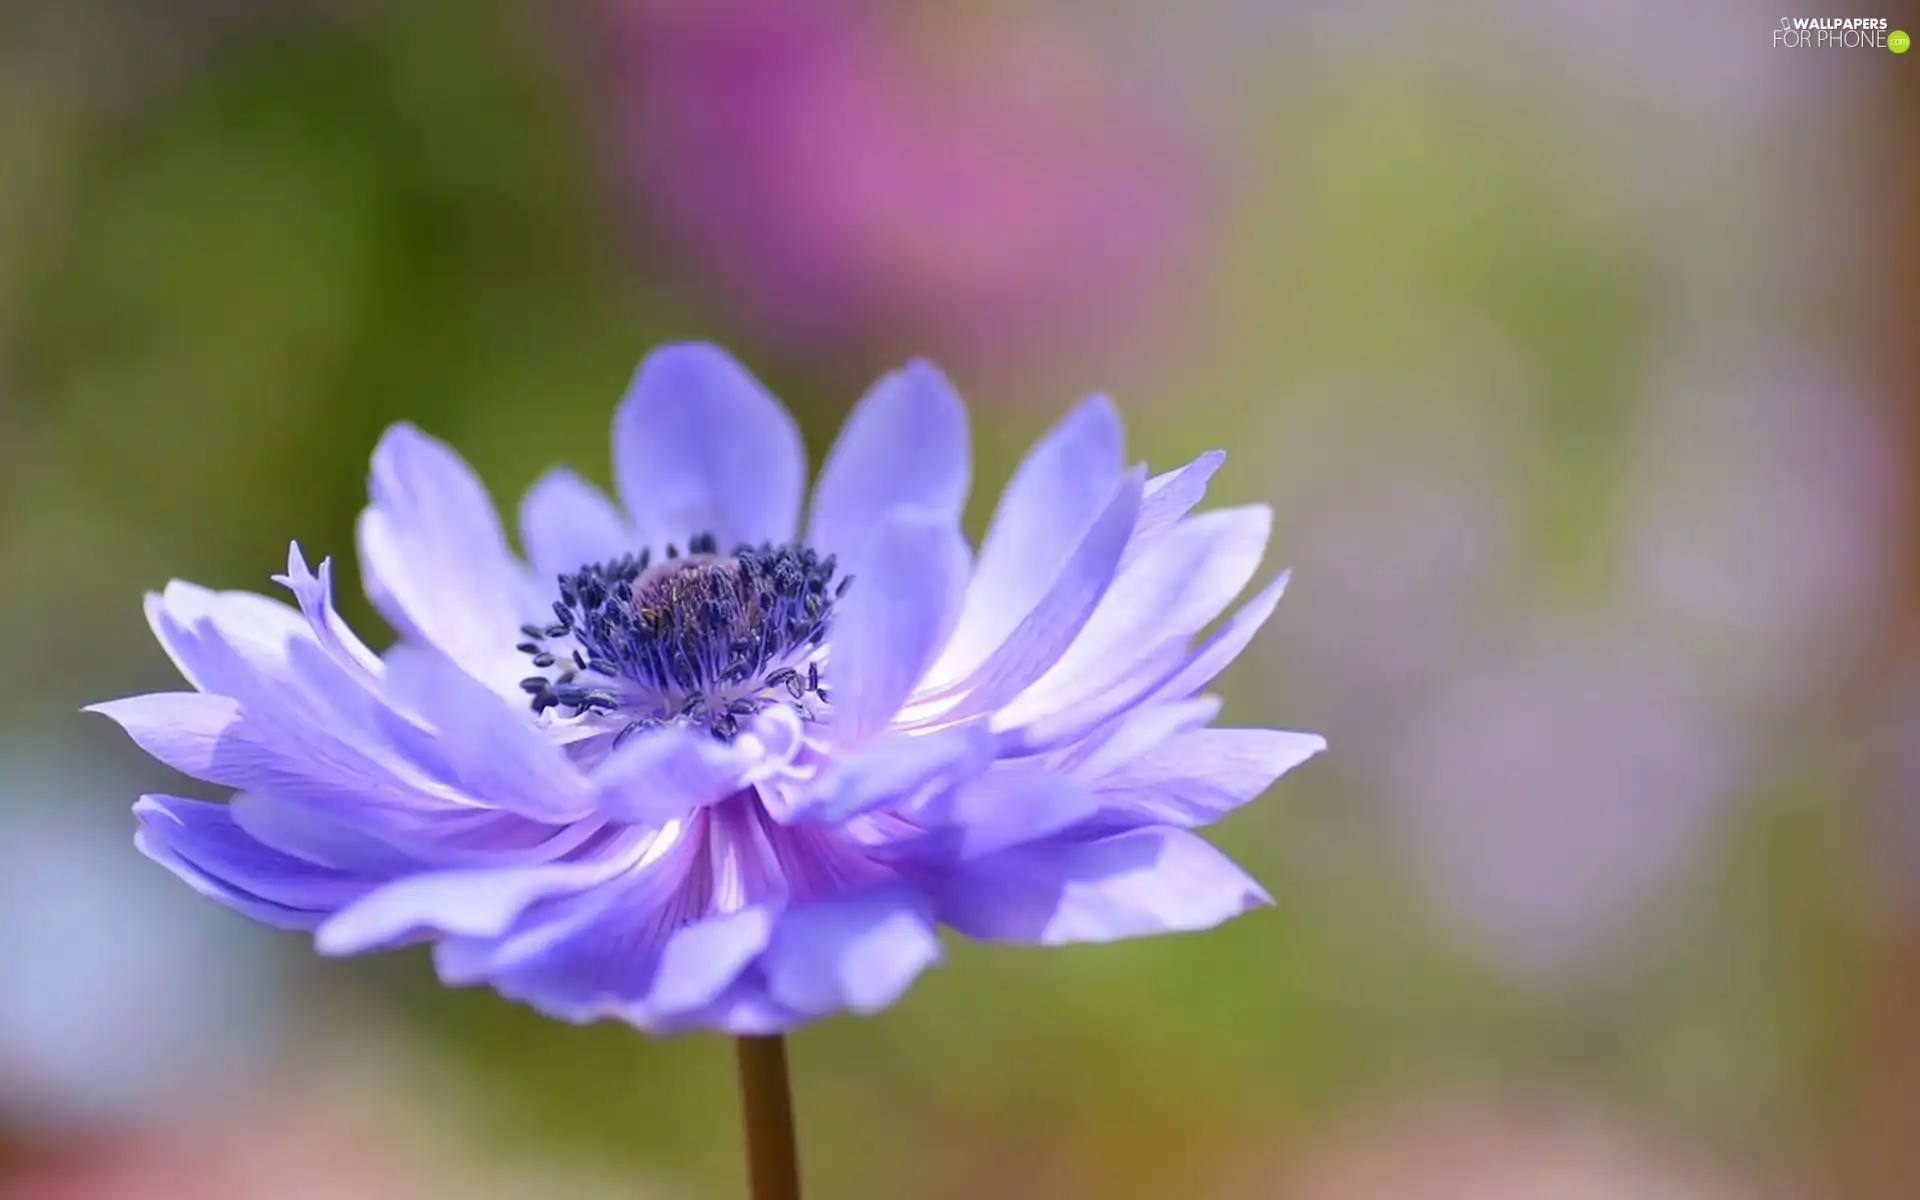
{"points": [[1839, 33]]}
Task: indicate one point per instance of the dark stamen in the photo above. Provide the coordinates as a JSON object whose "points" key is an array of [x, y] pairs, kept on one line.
{"points": [[699, 638]]}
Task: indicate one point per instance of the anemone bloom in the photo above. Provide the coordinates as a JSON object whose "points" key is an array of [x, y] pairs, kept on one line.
{"points": [[684, 771]]}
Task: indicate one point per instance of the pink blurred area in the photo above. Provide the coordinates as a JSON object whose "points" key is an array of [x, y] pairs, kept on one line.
{"points": [[840, 174]]}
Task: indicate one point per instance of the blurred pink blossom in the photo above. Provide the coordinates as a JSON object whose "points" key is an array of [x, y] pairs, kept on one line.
{"points": [[838, 179], [1552, 794]]}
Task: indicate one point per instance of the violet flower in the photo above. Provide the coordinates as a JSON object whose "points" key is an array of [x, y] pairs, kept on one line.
{"points": [[684, 771]]}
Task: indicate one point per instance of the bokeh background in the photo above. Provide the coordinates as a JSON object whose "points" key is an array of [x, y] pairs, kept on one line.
{"points": [[1573, 344]]}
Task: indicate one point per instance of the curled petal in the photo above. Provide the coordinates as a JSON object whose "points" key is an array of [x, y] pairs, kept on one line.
{"points": [[200, 843], [314, 594]]}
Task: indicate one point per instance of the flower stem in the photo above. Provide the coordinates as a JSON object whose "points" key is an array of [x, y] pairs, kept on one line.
{"points": [[773, 1158]]}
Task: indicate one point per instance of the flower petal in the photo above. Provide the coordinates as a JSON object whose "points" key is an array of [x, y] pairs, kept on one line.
{"points": [[1228, 641], [314, 594], [393, 840], [699, 446], [893, 620], [996, 812], [1168, 498], [476, 741], [225, 642], [646, 950], [320, 835], [1059, 490], [1134, 733], [295, 721], [665, 774], [200, 843], [744, 1009], [194, 733], [1054, 623], [1059, 729], [435, 561], [699, 961], [1170, 592], [894, 770], [1144, 881], [567, 523], [479, 902], [1201, 775], [858, 953], [905, 445]]}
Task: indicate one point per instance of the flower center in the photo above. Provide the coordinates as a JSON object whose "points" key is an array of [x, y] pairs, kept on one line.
{"points": [[701, 639]]}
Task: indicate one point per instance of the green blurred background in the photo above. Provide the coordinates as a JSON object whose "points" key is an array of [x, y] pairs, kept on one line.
{"points": [[1572, 343]]}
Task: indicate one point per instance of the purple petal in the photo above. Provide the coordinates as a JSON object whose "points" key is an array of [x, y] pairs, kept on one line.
{"points": [[858, 953], [567, 523], [192, 732], [1135, 733], [1144, 881], [225, 642], [480, 743], [997, 812], [1057, 493], [400, 840], [1052, 625], [1169, 593], [305, 716], [699, 446], [314, 594], [1144, 678], [665, 774], [1226, 644], [200, 843], [744, 1009], [482, 902], [211, 738], [646, 950], [700, 961], [435, 562], [265, 655], [905, 445], [895, 770], [607, 933], [893, 620], [1170, 497], [324, 836], [1203, 774]]}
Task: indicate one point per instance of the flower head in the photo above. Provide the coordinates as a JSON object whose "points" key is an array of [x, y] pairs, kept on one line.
{"points": [[687, 771]]}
